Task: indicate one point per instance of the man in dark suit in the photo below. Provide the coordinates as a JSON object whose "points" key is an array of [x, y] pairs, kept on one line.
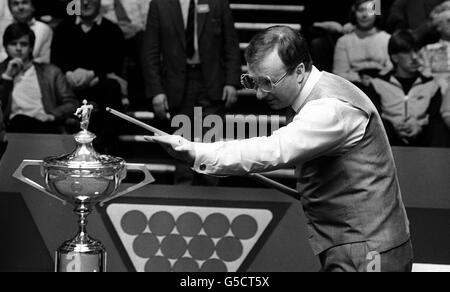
{"points": [[191, 58]]}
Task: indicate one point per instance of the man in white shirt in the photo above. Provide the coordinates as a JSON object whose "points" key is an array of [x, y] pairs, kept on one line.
{"points": [[23, 12], [346, 173]]}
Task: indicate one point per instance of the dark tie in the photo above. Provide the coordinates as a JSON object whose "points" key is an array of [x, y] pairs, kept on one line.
{"points": [[121, 13], [190, 30]]}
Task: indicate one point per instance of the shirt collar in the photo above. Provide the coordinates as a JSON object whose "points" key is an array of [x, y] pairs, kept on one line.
{"points": [[313, 78], [97, 20]]}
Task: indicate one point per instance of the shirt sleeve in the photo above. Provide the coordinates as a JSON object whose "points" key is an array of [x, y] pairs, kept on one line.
{"points": [[324, 127]]}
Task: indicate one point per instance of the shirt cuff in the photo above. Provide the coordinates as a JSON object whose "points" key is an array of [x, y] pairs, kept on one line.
{"points": [[205, 158]]}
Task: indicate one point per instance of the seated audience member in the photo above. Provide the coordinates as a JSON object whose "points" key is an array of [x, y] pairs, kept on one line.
{"points": [[5, 20], [131, 17], [414, 15], [90, 50], [436, 56], [362, 55], [35, 97], [23, 12], [409, 103]]}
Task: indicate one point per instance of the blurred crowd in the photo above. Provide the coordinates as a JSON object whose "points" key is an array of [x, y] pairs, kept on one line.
{"points": [[146, 55]]}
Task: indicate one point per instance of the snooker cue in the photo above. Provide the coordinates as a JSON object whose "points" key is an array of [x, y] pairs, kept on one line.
{"points": [[258, 177]]}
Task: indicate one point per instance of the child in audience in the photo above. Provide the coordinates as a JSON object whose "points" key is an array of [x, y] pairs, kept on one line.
{"points": [[35, 97]]}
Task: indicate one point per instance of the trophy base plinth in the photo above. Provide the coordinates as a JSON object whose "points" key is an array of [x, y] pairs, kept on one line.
{"points": [[81, 257]]}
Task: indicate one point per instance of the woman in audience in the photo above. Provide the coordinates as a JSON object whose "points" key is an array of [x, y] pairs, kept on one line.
{"points": [[409, 103], [363, 54], [35, 98]]}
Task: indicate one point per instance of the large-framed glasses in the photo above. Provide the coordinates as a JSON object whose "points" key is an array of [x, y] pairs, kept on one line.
{"points": [[264, 83]]}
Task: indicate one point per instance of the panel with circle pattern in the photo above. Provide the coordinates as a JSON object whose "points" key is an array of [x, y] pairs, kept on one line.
{"points": [[162, 238]]}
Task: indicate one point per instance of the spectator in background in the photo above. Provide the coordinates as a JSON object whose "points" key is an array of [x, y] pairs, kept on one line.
{"points": [[409, 103], [413, 14], [90, 50], [35, 97], [191, 58], [23, 12], [5, 20], [436, 56], [363, 54], [131, 16]]}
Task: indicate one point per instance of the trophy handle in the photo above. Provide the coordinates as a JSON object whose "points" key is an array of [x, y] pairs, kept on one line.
{"points": [[18, 174], [147, 180]]}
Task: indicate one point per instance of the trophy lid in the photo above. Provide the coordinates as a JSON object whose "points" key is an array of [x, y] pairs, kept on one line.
{"points": [[84, 156]]}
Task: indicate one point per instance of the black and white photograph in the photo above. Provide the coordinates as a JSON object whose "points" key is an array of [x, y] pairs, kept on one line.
{"points": [[225, 141]]}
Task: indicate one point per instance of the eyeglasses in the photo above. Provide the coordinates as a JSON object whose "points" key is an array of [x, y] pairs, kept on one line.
{"points": [[263, 83]]}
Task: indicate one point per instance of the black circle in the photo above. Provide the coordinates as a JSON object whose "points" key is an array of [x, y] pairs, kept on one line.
{"points": [[161, 223], [244, 227], [133, 222], [229, 249], [186, 265], [157, 264], [201, 247], [214, 266], [146, 245], [189, 224], [173, 246], [216, 225]]}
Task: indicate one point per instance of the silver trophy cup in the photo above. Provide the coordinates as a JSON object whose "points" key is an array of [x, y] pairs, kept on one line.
{"points": [[83, 178]]}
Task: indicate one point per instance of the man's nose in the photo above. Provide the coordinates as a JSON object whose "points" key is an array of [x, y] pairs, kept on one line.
{"points": [[260, 94]]}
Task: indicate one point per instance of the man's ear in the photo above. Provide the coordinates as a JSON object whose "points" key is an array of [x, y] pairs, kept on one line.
{"points": [[300, 71]]}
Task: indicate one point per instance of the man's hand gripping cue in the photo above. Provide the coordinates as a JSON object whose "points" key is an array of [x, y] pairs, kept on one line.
{"points": [[178, 147]]}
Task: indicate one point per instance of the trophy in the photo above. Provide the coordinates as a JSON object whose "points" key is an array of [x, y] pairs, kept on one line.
{"points": [[83, 178]]}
